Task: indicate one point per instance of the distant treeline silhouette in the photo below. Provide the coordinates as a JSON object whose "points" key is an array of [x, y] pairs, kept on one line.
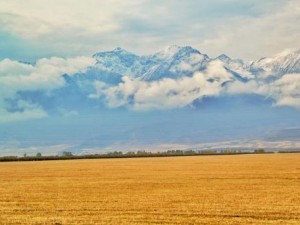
{"points": [[118, 154]]}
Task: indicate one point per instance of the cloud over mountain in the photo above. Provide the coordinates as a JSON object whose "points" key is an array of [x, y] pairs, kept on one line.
{"points": [[286, 90], [178, 96], [166, 93], [45, 75], [175, 77]]}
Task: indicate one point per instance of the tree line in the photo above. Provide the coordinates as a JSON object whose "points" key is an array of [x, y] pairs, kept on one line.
{"points": [[67, 155]]}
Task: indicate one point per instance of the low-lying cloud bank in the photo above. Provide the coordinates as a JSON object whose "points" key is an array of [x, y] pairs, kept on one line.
{"points": [[170, 93], [166, 93], [45, 75], [284, 91]]}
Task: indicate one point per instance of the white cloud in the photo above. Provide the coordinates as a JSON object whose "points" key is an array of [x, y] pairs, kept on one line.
{"points": [[35, 19], [286, 90], [78, 27], [83, 27], [45, 75], [25, 114], [8, 66], [166, 93], [252, 37], [182, 66], [238, 87], [175, 93]]}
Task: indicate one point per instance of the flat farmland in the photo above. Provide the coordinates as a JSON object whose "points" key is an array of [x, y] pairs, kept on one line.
{"points": [[237, 189]]}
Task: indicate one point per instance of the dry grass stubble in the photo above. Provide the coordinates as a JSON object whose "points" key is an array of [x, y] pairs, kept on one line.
{"points": [[239, 189]]}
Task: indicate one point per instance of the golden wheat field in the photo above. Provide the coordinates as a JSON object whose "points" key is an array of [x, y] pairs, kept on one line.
{"points": [[239, 189]]}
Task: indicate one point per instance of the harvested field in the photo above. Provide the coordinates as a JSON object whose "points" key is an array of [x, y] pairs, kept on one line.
{"points": [[237, 189]]}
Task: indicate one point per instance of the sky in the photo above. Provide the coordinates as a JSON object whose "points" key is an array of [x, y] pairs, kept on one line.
{"points": [[247, 29], [55, 95]]}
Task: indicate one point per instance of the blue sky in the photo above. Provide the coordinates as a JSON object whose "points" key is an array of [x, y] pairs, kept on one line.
{"points": [[39, 28]]}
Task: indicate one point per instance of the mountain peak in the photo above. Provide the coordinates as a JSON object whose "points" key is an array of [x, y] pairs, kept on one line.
{"points": [[169, 51], [117, 52], [287, 61], [224, 58], [172, 50], [288, 52], [176, 48], [119, 49]]}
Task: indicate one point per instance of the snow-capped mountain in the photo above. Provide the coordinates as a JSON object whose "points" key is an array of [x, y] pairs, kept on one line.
{"points": [[236, 67], [81, 90], [285, 62], [175, 62], [189, 98], [172, 62]]}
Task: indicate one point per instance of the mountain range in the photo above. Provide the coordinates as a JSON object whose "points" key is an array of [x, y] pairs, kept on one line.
{"points": [[174, 62], [175, 98]]}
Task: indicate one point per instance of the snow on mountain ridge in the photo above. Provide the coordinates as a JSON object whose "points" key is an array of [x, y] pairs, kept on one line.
{"points": [[176, 62], [236, 66], [282, 63], [223, 58], [119, 70], [173, 62]]}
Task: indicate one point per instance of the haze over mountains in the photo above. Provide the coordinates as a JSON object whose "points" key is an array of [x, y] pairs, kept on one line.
{"points": [[176, 98]]}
